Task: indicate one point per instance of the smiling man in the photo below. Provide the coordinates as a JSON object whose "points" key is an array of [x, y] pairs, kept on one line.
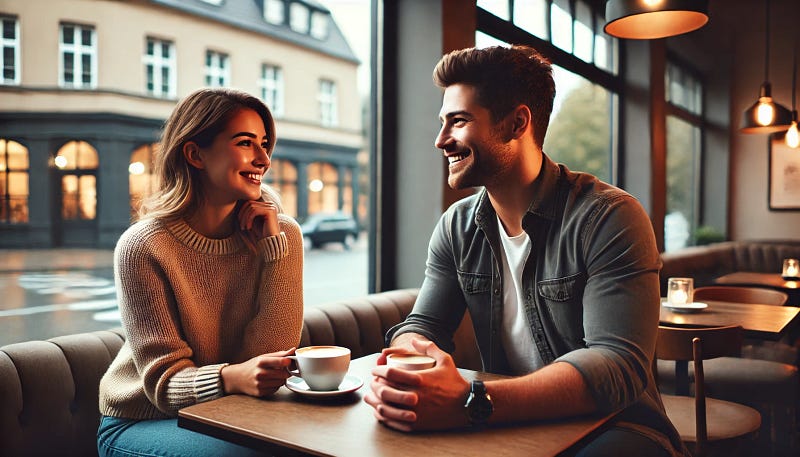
{"points": [[558, 270]]}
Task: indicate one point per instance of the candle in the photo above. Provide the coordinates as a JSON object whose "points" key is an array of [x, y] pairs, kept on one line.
{"points": [[791, 268], [679, 297]]}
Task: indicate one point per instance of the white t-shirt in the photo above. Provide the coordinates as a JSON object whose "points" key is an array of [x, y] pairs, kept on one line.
{"points": [[523, 356]]}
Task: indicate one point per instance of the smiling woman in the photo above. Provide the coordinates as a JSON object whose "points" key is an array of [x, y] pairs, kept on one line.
{"points": [[209, 221]]}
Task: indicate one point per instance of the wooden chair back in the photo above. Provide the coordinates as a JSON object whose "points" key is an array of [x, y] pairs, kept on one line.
{"points": [[742, 295], [685, 345]]}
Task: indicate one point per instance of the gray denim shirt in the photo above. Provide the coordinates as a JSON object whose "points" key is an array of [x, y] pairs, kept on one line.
{"points": [[590, 288]]}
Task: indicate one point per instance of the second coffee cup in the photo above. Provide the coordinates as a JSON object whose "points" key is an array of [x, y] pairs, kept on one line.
{"points": [[409, 361], [322, 367]]}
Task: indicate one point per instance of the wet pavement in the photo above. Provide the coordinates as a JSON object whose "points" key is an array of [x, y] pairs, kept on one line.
{"points": [[51, 292]]}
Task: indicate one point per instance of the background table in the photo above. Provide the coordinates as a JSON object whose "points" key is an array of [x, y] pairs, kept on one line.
{"points": [[768, 280], [758, 321], [290, 424]]}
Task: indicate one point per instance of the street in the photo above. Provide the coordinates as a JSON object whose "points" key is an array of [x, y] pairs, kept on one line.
{"points": [[42, 300]]}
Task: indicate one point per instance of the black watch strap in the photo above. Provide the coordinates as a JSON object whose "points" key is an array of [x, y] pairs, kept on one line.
{"points": [[479, 404]]}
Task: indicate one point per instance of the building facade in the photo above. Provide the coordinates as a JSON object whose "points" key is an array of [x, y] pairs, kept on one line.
{"points": [[87, 84]]}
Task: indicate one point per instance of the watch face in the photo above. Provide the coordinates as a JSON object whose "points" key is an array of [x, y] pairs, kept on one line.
{"points": [[479, 406]]}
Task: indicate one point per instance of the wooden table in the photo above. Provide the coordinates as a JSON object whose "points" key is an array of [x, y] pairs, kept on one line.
{"points": [[758, 321], [768, 280], [290, 424]]}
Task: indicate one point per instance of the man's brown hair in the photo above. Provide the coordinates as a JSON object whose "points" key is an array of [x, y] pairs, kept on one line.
{"points": [[503, 78]]}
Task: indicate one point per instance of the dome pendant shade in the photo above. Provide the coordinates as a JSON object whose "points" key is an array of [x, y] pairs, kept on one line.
{"points": [[765, 115], [652, 19]]}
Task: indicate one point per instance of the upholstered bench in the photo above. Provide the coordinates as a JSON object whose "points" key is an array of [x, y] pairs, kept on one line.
{"points": [[49, 389]]}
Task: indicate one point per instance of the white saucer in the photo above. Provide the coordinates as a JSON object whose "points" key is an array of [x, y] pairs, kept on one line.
{"points": [[687, 308], [350, 383]]}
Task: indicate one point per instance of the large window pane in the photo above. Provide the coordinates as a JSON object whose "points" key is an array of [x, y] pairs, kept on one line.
{"points": [[683, 157], [581, 125]]}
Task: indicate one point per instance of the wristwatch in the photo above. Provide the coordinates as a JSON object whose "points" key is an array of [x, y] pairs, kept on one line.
{"points": [[479, 404]]}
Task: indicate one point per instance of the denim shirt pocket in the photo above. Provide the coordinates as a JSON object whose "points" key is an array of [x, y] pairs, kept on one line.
{"points": [[563, 305], [474, 283]]}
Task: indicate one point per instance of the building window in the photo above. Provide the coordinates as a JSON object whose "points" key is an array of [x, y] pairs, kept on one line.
{"points": [[323, 188], [327, 103], [141, 181], [271, 84], [586, 99], [14, 172], [275, 11], [159, 68], [9, 40], [77, 162], [298, 17], [319, 25], [684, 94], [78, 57], [282, 176], [218, 71]]}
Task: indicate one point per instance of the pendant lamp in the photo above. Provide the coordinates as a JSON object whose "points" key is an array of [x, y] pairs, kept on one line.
{"points": [[651, 19], [793, 135], [765, 115]]}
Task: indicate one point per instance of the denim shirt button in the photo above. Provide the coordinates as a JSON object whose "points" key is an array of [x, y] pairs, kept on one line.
{"points": [[497, 291]]}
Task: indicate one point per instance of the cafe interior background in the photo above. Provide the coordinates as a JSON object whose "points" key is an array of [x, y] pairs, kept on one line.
{"points": [[660, 118]]}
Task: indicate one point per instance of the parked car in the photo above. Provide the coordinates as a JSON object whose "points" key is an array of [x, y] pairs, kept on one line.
{"points": [[322, 228]]}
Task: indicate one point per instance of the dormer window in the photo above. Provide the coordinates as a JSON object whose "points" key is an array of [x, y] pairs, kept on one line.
{"points": [[275, 11], [298, 17], [319, 25]]}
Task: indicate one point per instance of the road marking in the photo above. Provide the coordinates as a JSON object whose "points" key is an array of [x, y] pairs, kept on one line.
{"points": [[77, 306]]}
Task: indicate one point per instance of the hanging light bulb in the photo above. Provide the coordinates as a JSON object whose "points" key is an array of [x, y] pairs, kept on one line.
{"points": [[765, 113], [793, 135]]}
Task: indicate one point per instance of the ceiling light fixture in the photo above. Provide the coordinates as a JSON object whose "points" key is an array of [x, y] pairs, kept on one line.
{"points": [[651, 19], [765, 115], [793, 135]]}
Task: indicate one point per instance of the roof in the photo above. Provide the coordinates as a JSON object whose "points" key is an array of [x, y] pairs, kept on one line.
{"points": [[249, 15]]}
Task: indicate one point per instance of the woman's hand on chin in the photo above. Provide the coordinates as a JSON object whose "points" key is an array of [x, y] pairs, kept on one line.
{"points": [[259, 219]]}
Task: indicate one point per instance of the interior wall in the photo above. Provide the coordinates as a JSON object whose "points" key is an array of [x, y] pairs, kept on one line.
{"points": [[749, 216]]}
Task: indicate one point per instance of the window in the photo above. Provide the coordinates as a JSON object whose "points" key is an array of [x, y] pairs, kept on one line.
{"points": [[298, 17], [218, 72], [327, 103], [322, 184], [77, 162], [14, 172], [282, 176], [141, 181], [275, 11], [319, 25], [77, 57], [271, 84], [586, 108], [9, 40], [684, 94], [159, 68]]}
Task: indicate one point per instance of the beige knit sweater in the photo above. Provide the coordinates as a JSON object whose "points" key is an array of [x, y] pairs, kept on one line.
{"points": [[190, 305]]}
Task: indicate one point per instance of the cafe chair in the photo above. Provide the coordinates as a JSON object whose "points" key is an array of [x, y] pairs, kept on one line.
{"points": [[741, 294], [701, 420], [777, 351]]}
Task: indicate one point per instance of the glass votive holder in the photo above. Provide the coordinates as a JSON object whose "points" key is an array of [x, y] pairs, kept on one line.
{"points": [[791, 269], [680, 291]]}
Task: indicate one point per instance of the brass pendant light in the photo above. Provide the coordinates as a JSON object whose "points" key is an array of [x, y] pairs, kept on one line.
{"points": [[651, 19], [793, 135], [766, 115]]}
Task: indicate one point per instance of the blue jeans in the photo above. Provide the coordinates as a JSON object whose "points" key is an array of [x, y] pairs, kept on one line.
{"points": [[118, 437]]}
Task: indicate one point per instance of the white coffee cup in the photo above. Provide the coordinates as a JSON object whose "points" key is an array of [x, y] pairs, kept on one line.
{"points": [[409, 361], [322, 367]]}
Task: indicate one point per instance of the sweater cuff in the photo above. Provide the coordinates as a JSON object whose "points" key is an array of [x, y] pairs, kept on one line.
{"points": [[208, 382], [274, 247]]}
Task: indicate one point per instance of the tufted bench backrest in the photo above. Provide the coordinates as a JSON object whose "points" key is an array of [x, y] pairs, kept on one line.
{"points": [[49, 389]]}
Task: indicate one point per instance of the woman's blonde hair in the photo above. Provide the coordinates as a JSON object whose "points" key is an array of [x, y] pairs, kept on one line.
{"points": [[199, 117]]}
